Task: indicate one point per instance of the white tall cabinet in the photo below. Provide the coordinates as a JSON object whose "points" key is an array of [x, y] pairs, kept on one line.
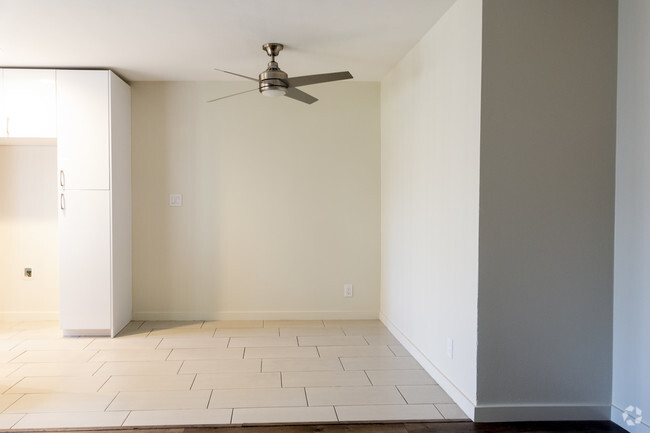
{"points": [[94, 163]]}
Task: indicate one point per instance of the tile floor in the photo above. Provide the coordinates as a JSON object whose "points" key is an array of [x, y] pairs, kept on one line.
{"points": [[213, 372]]}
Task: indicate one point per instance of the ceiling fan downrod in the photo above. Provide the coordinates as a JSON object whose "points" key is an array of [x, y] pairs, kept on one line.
{"points": [[272, 82]]}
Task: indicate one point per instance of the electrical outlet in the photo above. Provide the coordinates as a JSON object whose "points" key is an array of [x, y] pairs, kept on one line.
{"points": [[175, 199], [450, 348], [348, 290]]}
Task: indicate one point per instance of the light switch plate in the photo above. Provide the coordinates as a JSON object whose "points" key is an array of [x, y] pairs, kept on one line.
{"points": [[175, 199]]}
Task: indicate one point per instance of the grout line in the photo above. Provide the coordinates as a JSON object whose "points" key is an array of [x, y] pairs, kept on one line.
{"points": [[8, 389], [439, 411], [17, 355], [125, 418], [369, 380], [209, 398], [92, 340], [105, 382], [19, 419], [103, 363], [192, 384], [306, 398], [402, 395], [232, 414], [336, 413], [111, 402]]}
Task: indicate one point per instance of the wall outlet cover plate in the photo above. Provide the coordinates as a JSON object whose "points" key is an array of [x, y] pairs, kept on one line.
{"points": [[175, 199]]}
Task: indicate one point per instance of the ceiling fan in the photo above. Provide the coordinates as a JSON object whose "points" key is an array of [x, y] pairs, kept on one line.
{"points": [[275, 82]]}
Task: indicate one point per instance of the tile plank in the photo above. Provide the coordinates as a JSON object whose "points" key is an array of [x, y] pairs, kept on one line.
{"points": [[353, 395], [388, 413], [268, 397], [237, 380], [160, 400], [284, 415], [178, 417]]}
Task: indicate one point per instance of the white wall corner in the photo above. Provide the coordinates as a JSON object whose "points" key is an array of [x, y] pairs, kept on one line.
{"points": [[465, 403]]}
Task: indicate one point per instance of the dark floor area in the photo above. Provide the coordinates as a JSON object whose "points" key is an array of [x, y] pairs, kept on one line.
{"points": [[407, 427]]}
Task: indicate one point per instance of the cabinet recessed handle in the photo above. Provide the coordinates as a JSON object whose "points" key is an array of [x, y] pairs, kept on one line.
{"points": [[62, 201], [61, 178]]}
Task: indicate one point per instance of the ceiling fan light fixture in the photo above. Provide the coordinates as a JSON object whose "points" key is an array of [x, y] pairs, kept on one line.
{"points": [[274, 91]]}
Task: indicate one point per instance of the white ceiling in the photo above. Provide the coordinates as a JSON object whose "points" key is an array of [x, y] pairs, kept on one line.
{"points": [[145, 40]]}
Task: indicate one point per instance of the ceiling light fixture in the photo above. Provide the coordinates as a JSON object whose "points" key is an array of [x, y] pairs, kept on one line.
{"points": [[274, 91]]}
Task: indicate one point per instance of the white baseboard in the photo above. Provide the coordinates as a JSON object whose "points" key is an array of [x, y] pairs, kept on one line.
{"points": [[539, 412], [255, 315], [28, 316], [617, 418], [450, 388], [86, 332]]}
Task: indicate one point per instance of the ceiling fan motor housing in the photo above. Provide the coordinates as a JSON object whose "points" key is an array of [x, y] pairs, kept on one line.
{"points": [[273, 80]]}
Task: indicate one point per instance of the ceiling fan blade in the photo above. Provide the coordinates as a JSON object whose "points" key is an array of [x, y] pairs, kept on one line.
{"points": [[239, 75], [234, 94], [299, 95], [306, 80]]}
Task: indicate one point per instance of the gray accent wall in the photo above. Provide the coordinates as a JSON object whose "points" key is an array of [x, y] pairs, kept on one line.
{"points": [[546, 231]]}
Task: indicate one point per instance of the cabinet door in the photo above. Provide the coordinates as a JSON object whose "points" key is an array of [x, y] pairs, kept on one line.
{"points": [[84, 260], [83, 128], [30, 103]]}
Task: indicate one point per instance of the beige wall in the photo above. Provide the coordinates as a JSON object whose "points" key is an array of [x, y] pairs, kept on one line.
{"points": [[280, 202], [430, 194], [28, 232]]}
